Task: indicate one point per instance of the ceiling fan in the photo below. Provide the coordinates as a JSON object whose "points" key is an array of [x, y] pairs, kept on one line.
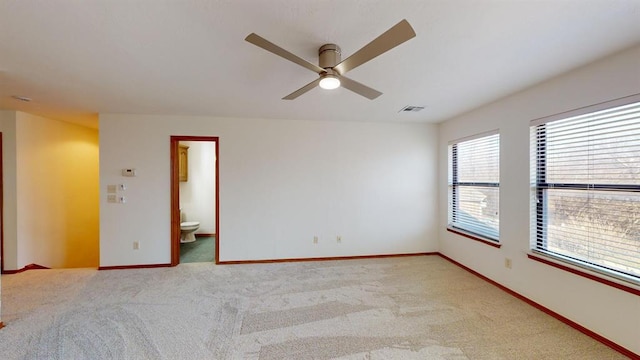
{"points": [[331, 69]]}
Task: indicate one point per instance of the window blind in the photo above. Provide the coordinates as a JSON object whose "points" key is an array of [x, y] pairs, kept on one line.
{"points": [[585, 175], [474, 181]]}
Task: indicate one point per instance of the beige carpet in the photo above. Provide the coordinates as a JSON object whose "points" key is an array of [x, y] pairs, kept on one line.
{"points": [[397, 308]]}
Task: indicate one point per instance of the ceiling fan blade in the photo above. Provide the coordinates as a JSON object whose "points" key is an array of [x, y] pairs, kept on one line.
{"points": [[358, 88], [273, 48], [302, 90], [393, 37]]}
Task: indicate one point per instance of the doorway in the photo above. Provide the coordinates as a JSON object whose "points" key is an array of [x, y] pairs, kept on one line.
{"points": [[1, 211], [179, 174]]}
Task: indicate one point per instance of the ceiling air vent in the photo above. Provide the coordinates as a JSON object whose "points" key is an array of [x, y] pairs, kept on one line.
{"points": [[21, 98], [411, 108]]}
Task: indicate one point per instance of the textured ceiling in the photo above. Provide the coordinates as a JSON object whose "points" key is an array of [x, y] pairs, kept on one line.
{"points": [[79, 58]]}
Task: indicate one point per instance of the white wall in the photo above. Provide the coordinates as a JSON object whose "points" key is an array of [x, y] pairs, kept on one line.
{"points": [[281, 183], [607, 311], [198, 195], [10, 224], [57, 192]]}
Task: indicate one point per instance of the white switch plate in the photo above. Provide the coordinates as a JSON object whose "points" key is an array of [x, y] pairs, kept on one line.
{"points": [[112, 198], [111, 189], [129, 172]]}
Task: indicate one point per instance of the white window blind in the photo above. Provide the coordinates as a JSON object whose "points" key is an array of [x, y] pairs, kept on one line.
{"points": [[585, 173], [474, 185]]}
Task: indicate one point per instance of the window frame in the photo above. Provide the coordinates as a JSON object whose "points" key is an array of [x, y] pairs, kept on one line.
{"points": [[453, 192], [540, 186]]}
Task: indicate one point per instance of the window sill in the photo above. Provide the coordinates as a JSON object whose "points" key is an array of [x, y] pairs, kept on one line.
{"points": [[475, 237], [586, 274]]}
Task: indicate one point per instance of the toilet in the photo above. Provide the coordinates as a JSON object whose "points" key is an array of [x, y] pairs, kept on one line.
{"points": [[187, 229]]}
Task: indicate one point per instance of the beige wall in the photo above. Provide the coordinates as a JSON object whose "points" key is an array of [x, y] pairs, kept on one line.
{"points": [[57, 192], [282, 182], [8, 130], [610, 312]]}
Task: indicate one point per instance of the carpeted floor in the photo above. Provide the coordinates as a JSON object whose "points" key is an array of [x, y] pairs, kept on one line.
{"points": [[201, 250], [396, 308]]}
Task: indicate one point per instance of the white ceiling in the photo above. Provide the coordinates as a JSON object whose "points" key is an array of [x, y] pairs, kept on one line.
{"points": [[79, 58]]}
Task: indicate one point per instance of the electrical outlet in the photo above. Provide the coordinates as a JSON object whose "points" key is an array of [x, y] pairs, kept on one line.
{"points": [[339, 239], [315, 239], [136, 245], [507, 263], [112, 198]]}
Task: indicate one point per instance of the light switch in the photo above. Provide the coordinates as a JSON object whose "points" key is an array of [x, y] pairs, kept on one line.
{"points": [[122, 187], [111, 199], [111, 189]]}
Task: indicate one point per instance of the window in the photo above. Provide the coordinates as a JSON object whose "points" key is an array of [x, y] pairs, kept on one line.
{"points": [[474, 185], [585, 193]]}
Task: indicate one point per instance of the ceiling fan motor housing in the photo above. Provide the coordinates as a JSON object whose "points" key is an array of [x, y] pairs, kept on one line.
{"points": [[329, 55]]}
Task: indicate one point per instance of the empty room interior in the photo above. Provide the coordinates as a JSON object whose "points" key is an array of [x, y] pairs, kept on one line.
{"points": [[285, 179]]}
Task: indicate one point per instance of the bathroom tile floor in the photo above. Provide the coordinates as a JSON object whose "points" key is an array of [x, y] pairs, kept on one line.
{"points": [[201, 250]]}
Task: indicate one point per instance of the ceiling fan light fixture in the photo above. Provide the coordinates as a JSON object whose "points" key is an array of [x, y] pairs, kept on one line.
{"points": [[329, 82]]}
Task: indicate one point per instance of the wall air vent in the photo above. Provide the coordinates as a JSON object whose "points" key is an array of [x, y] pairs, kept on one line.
{"points": [[411, 108]]}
